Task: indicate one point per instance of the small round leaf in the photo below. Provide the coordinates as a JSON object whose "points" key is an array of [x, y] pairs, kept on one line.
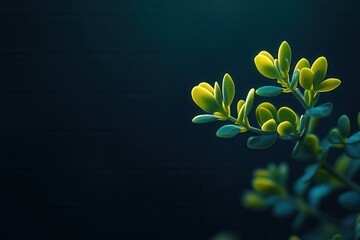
{"points": [[329, 85], [205, 118], [228, 89], [285, 128], [306, 78], [321, 111], [302, 63], [344, 125], [284, 56], [269, 126], [350, 200], [204, 99], [229, 131], [287, 114], [319, 67]]}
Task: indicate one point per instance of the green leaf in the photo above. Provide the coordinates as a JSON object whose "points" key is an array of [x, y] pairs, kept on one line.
{"points": [[204, 99], [321, 111], [284, 56], [350, 200], [218, 94], [310, 173], [287, 114], [344, 126], [266, 186], [353, 150], [300, 187], [269, 126], [334, 136], [295, 79], [229, 131], [263, 115], [302, 63], [269, 91], [357, 228], [228, 89], [355, 138], [306, 78], [283, 208], [268, 106], [285, 128], [337, 237], [311, 143], [265, 66], [329, 85], [207, 87], [319, 67], [249, 102], [205, 118], [261, 141]]}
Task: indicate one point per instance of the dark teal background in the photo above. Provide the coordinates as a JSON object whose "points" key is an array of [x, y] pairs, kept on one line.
{"points": [[96, 133]]}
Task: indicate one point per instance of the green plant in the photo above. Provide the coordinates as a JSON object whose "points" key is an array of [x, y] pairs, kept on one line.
{"points": [[322, 177]]}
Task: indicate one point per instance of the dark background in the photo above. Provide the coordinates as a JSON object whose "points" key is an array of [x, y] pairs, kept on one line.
{"points": [[96, 133]]}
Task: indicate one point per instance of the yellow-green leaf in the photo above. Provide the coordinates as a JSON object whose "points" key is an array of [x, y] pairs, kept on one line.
{"points": [[284, 56], [249, 102], [302, 63], [268, 55], [239, 105], [287, 114], [264, 115], [269, 126], [306, 78], [228, 89], [207, 87], [204, 99], [311, 142], [319, 67], [266, 186], [285, 128], [265, 66], [268, 106], [329, 85], [218, 94], [253, 200]]}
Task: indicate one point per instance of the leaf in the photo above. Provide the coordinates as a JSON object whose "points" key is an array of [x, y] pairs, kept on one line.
{"points": [[266, 186], [344, 125], [285, 128], [310, 173], [264, 115], [319, 67], [329, 85], [269, 91], [321, 111], [287, 114], [355, 138], [334, 136], [253, 200], [302, 63], [228, 89], [337, 237], [300, 187], [319, 192], [218, 94], [265, 66], [350, 200], [268, 55], [249, 102], [298, 221], [268, 106], [284, 56], [261, 141], [204, 99], [207, 87], [205, 118], [229, 131], [295, 79], [357, 228], [283, 208], [297, 148], [269, 126], [306, 78], [311, 143], [353, 150]]}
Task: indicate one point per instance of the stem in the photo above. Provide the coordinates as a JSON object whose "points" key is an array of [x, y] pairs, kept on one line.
{"points": [[231, 118], [346, 181], [299, 97], [250, 128]]}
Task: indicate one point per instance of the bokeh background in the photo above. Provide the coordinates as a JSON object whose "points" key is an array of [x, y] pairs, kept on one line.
{"points": [[96, 139]]}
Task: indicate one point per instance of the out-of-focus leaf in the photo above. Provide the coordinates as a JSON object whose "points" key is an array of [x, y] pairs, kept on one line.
{"points": [[337, 237], [353, 150], [310, 173], [355, 138], [262, 141], [321, 111], [300, 187], [344, 125], [334, 136], [350, 200], [253, 200], [298, 221], [283, 208], [269, 91], [266, 186], [205, 118], [319, 192]]}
